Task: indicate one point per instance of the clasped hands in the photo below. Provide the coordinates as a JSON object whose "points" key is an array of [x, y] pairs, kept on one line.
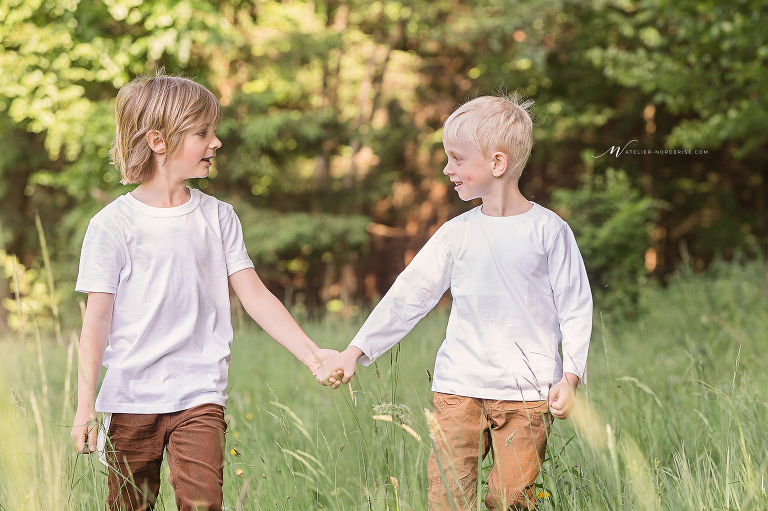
{"points": [[331, 368]]}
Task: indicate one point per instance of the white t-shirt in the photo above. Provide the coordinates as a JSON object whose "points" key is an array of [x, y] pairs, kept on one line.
{"points": [[519, 291], [169, 343]]}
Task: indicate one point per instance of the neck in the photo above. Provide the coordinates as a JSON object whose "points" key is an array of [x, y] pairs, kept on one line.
{"points": [[162, 191], [505, 201]]}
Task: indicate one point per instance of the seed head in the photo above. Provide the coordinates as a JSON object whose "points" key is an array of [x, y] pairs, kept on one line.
{"points": [[434, 427]]}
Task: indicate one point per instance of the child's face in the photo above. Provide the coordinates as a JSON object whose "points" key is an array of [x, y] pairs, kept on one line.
{"points": [[468, 169], [198, 147]]}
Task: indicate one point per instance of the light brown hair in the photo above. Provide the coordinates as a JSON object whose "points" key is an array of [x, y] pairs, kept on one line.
{"points": [[170, 104], [495, 123]]}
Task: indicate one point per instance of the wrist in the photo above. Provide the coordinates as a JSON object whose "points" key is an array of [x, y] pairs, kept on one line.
{"points": [[353, 352], [86, 411], [310, 359], [572, 379]]}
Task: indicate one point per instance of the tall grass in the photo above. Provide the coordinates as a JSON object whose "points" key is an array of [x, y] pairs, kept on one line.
{"points": [[672, 418]]}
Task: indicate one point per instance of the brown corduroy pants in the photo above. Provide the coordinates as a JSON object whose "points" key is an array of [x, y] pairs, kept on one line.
{"points": [[194, 441], [515, 433]]}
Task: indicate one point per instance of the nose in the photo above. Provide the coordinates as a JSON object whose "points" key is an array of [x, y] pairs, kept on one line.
{"points": [[446, 171], [215, 143]]}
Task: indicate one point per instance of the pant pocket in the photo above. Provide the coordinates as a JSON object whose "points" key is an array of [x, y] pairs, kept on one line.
{"points": [[447, 401]]}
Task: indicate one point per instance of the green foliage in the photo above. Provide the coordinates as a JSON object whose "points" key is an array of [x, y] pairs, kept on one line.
{"points": [[612, 221], [28, 306], [335, 108], [293, 242], [701, 58]]}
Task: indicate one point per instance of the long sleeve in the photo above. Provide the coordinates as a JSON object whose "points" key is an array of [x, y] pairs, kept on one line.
{"points": [[573, 300], [415, 292]]}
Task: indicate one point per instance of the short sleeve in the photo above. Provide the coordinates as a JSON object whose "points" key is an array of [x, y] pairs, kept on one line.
{"points": [[234, 246], [100, 262]]}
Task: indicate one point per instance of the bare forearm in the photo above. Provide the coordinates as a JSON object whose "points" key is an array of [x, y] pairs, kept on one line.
{"points": [[89, 366], [93, 342], [271, 315], [275, 319]]}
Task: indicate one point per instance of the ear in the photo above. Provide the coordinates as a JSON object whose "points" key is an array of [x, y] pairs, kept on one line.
{"points": [[500, 162], [156, 141]]}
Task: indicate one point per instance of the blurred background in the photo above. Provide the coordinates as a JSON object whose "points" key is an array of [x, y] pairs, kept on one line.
{"points": [[650, 137]]}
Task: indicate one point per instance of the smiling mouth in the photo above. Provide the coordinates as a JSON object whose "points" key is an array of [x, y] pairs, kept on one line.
{"points": [[208, 159], [457, 183]]}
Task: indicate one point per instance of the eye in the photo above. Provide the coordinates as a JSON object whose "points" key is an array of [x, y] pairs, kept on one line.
{"points": [[202, 133]]}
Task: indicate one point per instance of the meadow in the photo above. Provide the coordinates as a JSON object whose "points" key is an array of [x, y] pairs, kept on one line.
{"points": [[673, 416]]}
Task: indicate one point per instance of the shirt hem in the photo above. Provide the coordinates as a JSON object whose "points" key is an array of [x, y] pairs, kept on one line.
{"points": [[96, 288], [487, 393], [239, 267], [161, 407]]}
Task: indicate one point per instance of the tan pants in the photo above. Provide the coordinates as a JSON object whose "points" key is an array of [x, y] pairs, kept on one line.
{"points": [[194, 440], [516, 434]]}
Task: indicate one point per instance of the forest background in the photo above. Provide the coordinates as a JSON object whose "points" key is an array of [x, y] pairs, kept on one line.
{"points": [[651, 121]]}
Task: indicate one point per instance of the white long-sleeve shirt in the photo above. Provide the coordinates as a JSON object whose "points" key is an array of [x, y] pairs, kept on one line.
{"points": [[520, 292]]}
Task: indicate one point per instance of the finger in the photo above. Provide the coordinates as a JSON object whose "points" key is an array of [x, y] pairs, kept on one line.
{"points": [[81, 444], [91, 437], [347, 379]]}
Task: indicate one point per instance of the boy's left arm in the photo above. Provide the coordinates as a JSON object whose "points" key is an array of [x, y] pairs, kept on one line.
{"points": [[573, 299], [275, 319]]}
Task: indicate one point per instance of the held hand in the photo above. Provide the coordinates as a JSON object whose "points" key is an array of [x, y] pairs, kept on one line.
{"points": [[561, 395], [315, 360], [85, 430], [340, 368]]}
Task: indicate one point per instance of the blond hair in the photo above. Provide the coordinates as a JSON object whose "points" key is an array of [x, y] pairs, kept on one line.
{"points": [[170, 104], [495, 123]]}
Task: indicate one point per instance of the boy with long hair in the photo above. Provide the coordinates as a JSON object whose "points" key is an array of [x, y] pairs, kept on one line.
{"points": [[156, 264]]}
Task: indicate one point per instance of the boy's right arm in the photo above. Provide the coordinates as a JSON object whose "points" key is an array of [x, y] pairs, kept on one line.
{"points": [[414, 293], [93, 342]]}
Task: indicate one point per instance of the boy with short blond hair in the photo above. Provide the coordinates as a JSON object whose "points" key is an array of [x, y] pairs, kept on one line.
{"points": [[156, 264], [520, 294]]}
